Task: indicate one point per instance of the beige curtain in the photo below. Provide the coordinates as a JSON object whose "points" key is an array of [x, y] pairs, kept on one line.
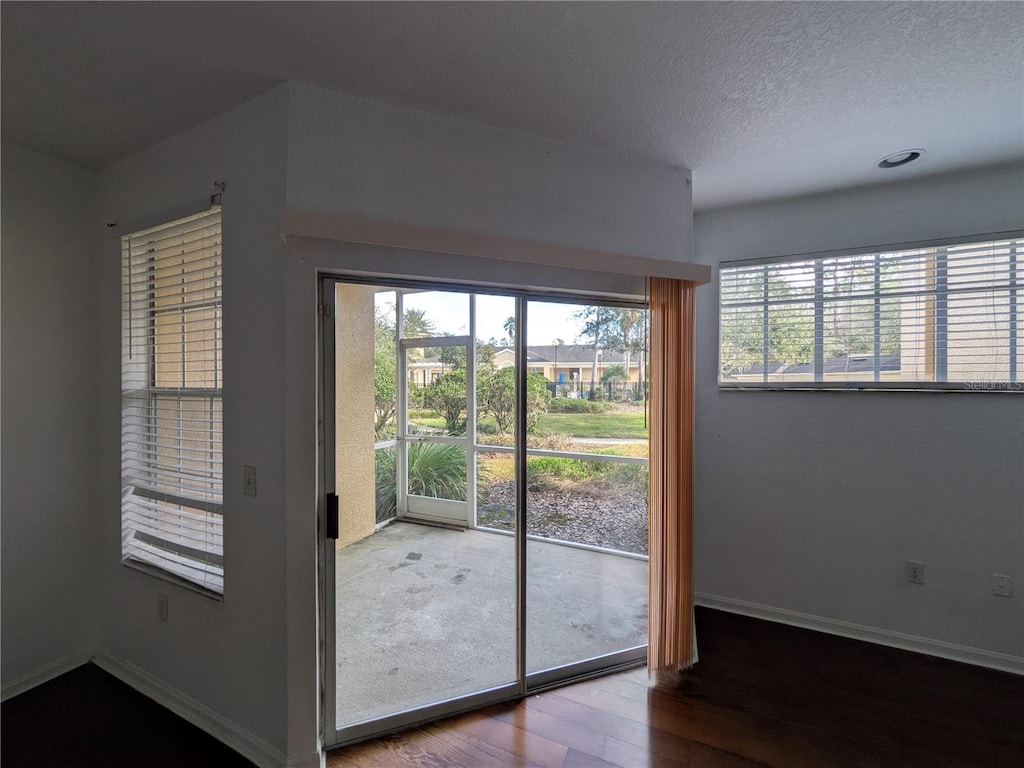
{"points": [[671, 641]]}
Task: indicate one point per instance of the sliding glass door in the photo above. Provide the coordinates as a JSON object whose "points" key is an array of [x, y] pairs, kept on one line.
{"points": [[586, 480], [423, 605], [486, 454]]}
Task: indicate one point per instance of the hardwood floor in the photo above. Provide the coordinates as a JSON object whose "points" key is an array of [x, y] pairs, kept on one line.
{"points": [[87, 718], [762, 694]]}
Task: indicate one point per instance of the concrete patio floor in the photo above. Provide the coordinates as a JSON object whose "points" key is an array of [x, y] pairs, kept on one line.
{"points": [[425, 614]]}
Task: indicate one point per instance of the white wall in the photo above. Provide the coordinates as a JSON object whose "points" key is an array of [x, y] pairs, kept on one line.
{"points": [[361, 158], [229, 657], [811, 502], [806, 502], [246, 666], [48, 364], [350, 156]]}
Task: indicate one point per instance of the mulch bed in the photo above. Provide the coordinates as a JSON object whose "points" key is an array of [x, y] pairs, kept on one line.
{"points": [[612, 518]]}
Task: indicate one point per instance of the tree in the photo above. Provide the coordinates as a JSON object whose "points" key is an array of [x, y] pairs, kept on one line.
{"points": [[614, 374], [416, 325], [485, 355], [790, 337], [447, 396], [849, 324], [597, 323], [538, 398], [385, 376], [510, 330], [455, 357], [848, 315], [496, 396], [631, 336]]}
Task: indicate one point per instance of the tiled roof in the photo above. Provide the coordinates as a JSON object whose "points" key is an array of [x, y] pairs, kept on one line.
{"points": [[858, 363], [571, 354]]}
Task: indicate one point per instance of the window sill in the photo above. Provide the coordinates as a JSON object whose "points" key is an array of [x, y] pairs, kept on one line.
{"points": [[168, 577], [978, 386]]}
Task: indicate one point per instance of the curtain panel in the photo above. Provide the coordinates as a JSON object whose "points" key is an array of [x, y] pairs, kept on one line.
{"points": [[671, 639]]}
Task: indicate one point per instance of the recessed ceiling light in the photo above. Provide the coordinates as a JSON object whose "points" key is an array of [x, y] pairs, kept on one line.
{"points": [[896, 159]]}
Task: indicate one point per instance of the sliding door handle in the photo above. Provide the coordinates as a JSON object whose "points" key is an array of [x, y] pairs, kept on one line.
{"points": [[331, 516]]}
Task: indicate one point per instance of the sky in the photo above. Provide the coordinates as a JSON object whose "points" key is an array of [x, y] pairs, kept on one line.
{"points": [[547, 321]]}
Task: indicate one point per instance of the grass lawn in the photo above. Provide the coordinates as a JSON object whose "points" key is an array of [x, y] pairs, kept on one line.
{"points": [[501, 466], [435, 422], [438, 423], [623, 424]]}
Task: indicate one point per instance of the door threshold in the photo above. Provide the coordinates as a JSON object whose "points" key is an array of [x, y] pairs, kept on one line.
{"points": [[433, 524]]}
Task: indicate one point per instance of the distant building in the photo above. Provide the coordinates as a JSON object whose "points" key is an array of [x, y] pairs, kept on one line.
{"points": [[568, 366]]}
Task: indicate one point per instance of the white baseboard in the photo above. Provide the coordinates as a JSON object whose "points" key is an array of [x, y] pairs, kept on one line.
{"points": [[43, 674], [242, 741], [962, 653]]}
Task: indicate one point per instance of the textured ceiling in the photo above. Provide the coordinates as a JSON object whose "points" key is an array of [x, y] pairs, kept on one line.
{"points": [[760, 100]]}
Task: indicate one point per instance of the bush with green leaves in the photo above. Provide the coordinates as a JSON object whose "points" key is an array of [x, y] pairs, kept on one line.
{"points": [[567, 469], [556, 441], [577, 405], [385, 378], [538, 398], [385, 485], [614, 374], [549, 472], [435, 469], [447, 396], [496, 397]]}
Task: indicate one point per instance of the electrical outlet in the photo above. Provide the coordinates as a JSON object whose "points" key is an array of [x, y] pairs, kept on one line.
{"points": [[1001, 585], [913, 572], [250, 480], [161, 607]]}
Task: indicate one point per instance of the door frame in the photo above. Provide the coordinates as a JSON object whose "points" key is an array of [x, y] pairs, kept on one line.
{"points": [[432, 510], [526, 683]]}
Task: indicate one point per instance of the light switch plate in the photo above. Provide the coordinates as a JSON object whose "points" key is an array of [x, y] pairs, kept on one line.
{"points": [[250, 480]]}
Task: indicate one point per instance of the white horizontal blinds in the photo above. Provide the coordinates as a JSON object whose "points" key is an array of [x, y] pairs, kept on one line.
{"points": [[172, 416], [948, 315]]}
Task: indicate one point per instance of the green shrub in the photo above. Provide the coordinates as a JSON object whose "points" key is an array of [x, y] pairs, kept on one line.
{"points": [[545, 442], [544, 472], [435, 469], [614, 373], [414, 395], [385, 487], [537, 400], [447, 396], [631, 476], [577, 405], [422, 413], [496, 396], [489, 437], [567, 469]]}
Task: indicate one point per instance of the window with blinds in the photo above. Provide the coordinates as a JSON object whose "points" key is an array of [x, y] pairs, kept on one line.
{"points": [[943, 317], [171, 400]]}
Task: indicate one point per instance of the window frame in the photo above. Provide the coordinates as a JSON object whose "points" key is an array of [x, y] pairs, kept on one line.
{"points": [[1014, 286], [196, 568]]}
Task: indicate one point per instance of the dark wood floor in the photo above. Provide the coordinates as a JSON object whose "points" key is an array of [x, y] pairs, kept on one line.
{"points": [[89, 718], [763, 694]]}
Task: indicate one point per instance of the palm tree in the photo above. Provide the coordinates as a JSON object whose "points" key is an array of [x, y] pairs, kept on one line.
{"points": [[631, 337], [598, 323], [510, 330], [416, 325]]}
